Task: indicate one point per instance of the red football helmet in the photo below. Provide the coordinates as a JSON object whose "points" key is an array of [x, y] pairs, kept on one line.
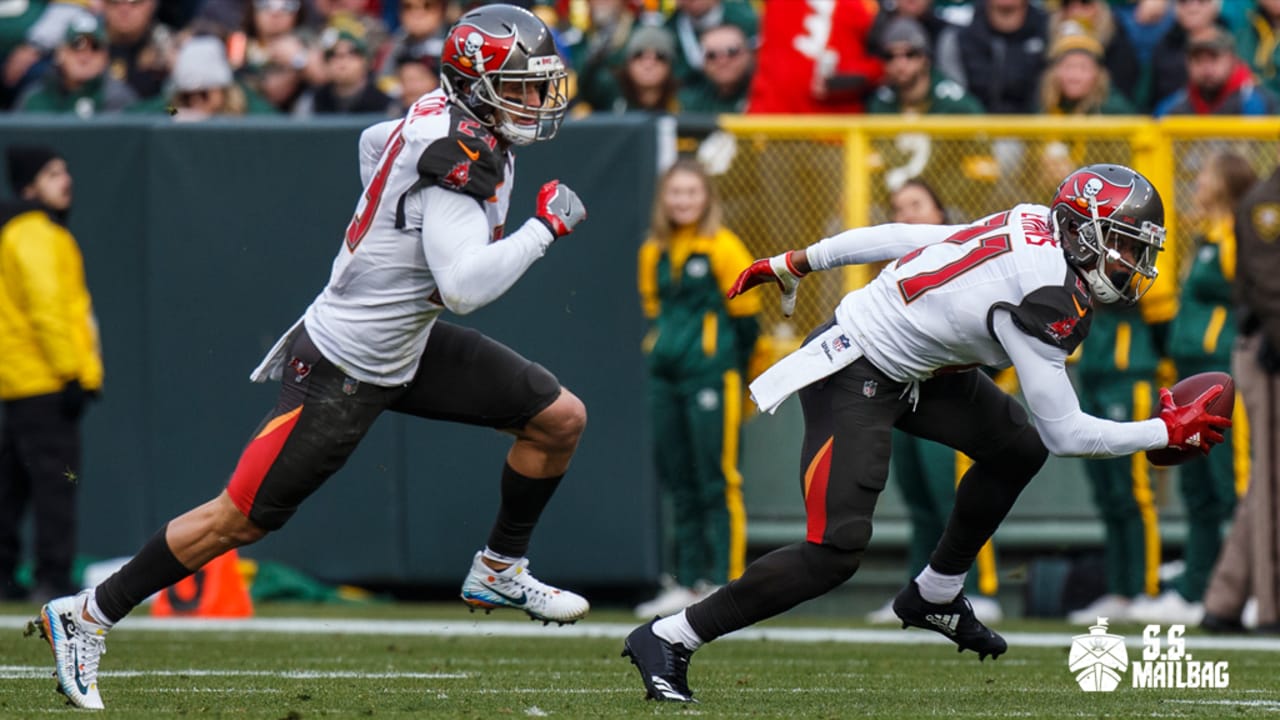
{"points": [[1098, 213], [494, 58]]}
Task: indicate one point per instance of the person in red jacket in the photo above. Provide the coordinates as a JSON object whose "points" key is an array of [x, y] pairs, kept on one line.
{"points": [[826, 43]]}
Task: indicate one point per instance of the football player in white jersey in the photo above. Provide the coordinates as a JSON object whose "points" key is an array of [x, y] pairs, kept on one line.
{"points": [[424, 238], [1016, 288]]}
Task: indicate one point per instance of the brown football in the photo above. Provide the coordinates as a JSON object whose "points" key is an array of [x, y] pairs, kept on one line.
{"points": [[1185, 391]]}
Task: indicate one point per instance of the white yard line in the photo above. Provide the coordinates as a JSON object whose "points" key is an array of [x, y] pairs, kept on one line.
{"points": [[22, 672], [499, 628]]}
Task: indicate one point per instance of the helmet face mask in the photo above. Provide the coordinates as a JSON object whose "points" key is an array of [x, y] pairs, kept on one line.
{"points": [[502, 63], [1109, 221]]}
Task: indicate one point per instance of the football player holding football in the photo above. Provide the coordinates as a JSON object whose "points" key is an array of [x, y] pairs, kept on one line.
{"points": [[424, 239], [1016, 288]]}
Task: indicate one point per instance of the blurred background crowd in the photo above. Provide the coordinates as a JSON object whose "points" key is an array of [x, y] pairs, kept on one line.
{"points": [[200, 58]]}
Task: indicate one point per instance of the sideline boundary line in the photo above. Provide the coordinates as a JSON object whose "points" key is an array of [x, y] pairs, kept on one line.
{"points": [[500, 628]]}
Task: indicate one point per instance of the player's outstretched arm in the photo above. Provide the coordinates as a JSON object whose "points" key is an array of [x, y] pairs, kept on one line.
{"points": [[1066, 429], [785, 270], [875, 244]]}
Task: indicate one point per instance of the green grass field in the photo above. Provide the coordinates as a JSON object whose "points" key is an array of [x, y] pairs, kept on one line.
{"points": [[335, 667]]}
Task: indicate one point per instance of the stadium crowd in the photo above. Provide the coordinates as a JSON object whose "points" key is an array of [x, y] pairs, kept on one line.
{"points": [[200, 58]]}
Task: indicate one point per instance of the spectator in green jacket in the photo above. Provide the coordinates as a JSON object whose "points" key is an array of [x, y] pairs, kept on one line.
{"points": [[202, 86], [911, 85], [698, 350], [1077, 81], [599, 53], [728, 61], [647, 80], [78, 82], [1258, 42], [692, 18], [1200, 340]]}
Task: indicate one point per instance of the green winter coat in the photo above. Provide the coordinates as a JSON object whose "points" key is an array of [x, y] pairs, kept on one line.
{"points": [[946, 97], [1202, 333]]}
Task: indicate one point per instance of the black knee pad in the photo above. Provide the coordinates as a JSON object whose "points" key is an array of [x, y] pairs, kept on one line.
{"points": [[829, 565], [1027, 453], [850, 535]]}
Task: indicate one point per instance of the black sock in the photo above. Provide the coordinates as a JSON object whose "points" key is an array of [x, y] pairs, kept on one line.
{"points": [[523, 499], [153, 569]]}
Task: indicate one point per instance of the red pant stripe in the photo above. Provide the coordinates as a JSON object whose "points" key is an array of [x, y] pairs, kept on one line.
{"points": [[257, 459], [815, 493]]}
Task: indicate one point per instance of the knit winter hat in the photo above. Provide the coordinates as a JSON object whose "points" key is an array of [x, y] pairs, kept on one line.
{"points": [[25, 162]]}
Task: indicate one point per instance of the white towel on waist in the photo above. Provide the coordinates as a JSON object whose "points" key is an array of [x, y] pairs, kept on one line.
{"points": [[272, 366], [816, 359]]}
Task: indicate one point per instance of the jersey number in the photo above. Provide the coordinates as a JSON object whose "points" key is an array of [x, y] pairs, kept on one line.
{"points": [[988, 247], [363, 219]]}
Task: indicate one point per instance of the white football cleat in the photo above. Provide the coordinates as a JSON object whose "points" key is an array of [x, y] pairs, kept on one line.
{"points": [[883, 615], [987, 609], [670, 600], [487, 589], [1113, 607], [77, 646], [1169, 608]]}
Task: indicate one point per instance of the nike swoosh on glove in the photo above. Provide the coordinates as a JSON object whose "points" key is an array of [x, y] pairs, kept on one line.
{"points": [[560, 208]]}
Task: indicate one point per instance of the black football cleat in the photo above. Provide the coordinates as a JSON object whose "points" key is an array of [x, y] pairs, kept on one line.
{"points": [[955, 620], [663, 666]]}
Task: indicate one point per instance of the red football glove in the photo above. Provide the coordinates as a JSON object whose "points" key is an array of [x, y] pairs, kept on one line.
{"points": [[1191, 425], [559, 208], [779, 269]]}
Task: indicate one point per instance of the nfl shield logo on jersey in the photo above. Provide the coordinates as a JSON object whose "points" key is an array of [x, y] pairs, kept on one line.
{"points": [[869, 388]]}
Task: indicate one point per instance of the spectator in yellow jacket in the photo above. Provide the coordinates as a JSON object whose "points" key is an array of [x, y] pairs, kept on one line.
{"points": [[51, 366], [698, 351]]}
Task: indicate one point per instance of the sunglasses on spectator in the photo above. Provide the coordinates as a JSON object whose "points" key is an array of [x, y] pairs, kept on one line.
{"points": [[732, 51], [287, 6], [1068, 3], [1184, 2], [125, 2], [912, 54], [85, 42], [331, 54], [190, 97], [660, 57]]}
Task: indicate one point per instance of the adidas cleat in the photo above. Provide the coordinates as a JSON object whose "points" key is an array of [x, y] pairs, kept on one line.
{"points": [[77, 646], [663, 666], [488, 589], [954, 620]]}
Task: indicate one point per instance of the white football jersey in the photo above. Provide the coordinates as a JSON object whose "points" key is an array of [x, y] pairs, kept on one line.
{"points": [[930, 310], [373, 317]]}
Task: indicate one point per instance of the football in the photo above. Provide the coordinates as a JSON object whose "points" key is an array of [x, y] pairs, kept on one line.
{"points": [[1185, 391]]}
